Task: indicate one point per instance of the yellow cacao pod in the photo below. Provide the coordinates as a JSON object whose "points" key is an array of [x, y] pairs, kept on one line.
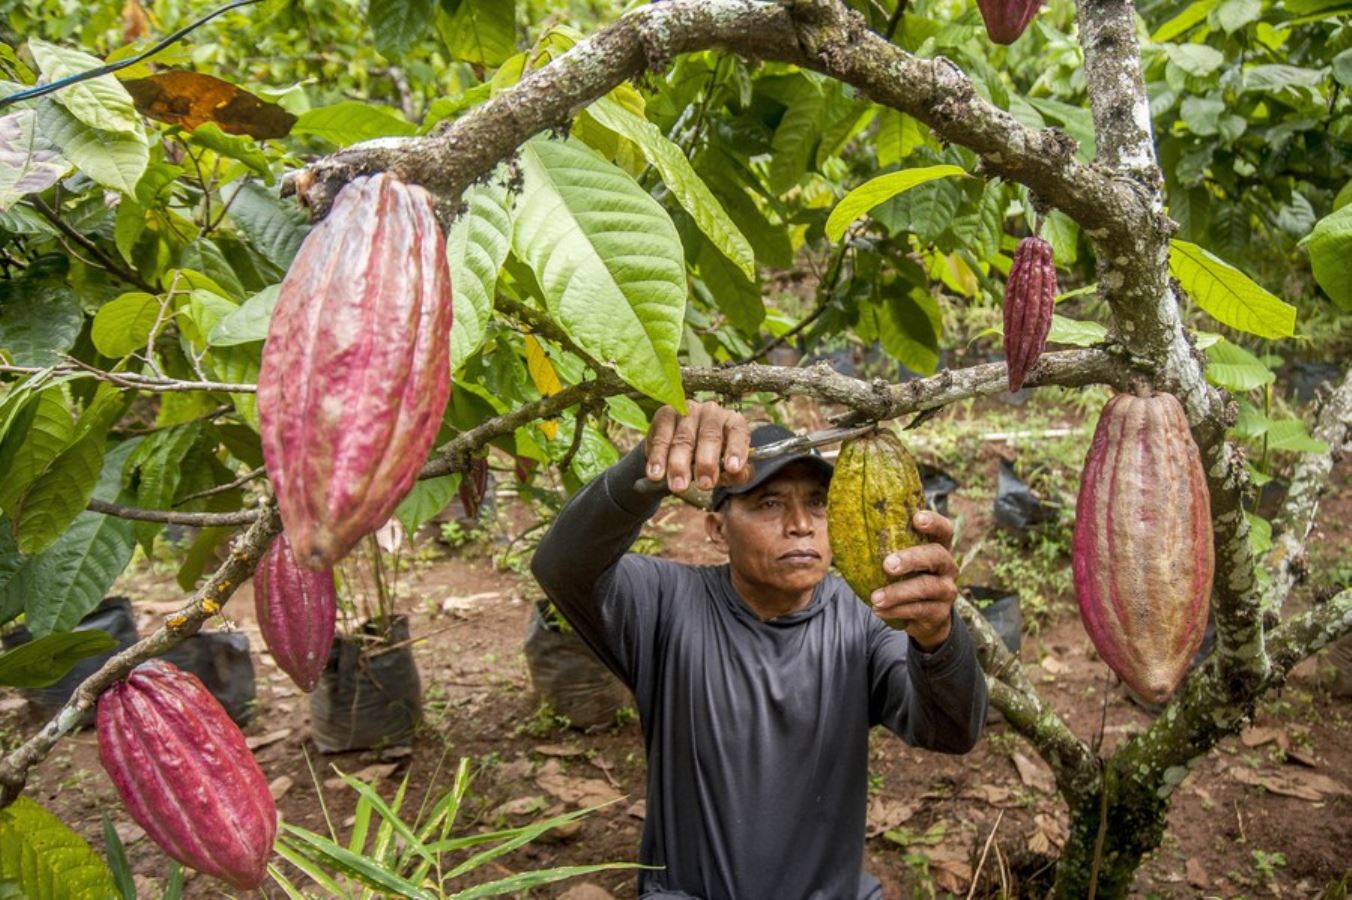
{"points": [[874, 494]]}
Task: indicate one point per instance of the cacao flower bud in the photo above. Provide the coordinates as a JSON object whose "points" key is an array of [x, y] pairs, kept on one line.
{"points": [[297, 611], [1142, 553], [185, 774], [1030, 298], [1007, 19], [473, 487], [356, 368], [874, 494]]}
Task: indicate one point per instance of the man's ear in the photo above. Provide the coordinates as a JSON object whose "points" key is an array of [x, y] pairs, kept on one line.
{"points": [[713, 528]]}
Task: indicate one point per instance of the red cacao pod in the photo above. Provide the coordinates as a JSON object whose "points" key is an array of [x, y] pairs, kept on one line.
{"points": [[1007, 19], [185, 774], [1143, 555], [356, 368], [1030, 298], [297, 610], [473, 487]]}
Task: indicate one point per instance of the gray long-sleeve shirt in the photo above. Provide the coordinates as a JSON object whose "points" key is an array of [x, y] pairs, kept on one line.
{"points": [[756, 731]]}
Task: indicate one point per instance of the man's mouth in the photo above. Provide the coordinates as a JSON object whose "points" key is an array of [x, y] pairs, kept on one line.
{"points": [[801, 554]]}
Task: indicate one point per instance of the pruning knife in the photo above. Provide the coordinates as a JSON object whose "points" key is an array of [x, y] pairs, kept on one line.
{"points": [[799, 443]]}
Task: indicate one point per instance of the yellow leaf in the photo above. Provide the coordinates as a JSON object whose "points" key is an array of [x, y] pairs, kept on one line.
{"points": [[546, 380]]}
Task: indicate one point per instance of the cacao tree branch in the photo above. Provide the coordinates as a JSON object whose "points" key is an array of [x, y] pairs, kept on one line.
{"points": [[201, 520], [1072, 761], [1295, 519], [820, 34], [204, 603], [135, 380], [1306, 634]]}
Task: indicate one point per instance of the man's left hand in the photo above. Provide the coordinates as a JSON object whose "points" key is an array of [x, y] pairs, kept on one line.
{"points": [[924, 584]]}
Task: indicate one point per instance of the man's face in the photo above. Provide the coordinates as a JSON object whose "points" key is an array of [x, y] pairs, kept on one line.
{"points": [[775, 536]]}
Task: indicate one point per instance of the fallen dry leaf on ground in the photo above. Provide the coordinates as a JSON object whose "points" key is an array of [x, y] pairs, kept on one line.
{"points": [[259, 741], [1299, 783], [885, 814], [280, 785], [1196, 873], [1034, 773]]}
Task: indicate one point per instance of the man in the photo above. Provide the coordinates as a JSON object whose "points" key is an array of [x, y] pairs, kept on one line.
{"points": [[757, 681]]}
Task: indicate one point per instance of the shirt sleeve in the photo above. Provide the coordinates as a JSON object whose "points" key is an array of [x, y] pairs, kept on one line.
{"points": [[609, 596], [936, 700]]}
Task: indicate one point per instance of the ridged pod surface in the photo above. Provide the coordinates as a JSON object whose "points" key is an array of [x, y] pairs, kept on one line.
{"points": [[1030, 299], [356, 368], [1143, 556], [1006, 20], [874, 493], [185, 774], [297, 610]]}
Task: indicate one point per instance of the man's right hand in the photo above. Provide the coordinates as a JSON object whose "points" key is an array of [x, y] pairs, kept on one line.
{"points": [[707, 446]]}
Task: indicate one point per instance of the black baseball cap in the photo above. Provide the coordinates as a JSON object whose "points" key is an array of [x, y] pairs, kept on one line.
{"points": [[765, 469]]}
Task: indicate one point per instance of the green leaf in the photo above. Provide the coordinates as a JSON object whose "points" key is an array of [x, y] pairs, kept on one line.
{"points": [[274, 227], [45, 859], [1260, 534], [1077, 121], [795, 138], [123, 325], [101, 103], [1342, 68], [398, 24], [1192, 15], [1076, 332], [1273, 77], [339, 859], [477, 244], [350, 121], [513, 884], [737, 297], [880, 189], [908, 328], [480, 31], [40, 318], [247, 323], [232, 146], [1229, 295], [1195, 59], [1330, 247], [609, 261], [1232, 367], [42, 662], [1290, 435], [428, 497], [29, 163], [117, 860], [927, 210], [627, 412], [899, 135], [112, 158], [159, 460], [31, 450], [685, 184], [1233, 15]]}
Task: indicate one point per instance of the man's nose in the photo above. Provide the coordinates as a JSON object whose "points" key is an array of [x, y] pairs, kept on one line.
{"points": [[798, 519]]}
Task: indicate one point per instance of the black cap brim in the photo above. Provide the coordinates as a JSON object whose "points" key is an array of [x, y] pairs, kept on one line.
{"points": [[765, 469]]}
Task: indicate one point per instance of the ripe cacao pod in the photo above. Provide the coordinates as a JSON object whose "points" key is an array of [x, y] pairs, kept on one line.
{"points": [[297, 610], [356, 368], [185, 774], [874, 493], [1030, 298], [1142, 553], [1007, 19]]}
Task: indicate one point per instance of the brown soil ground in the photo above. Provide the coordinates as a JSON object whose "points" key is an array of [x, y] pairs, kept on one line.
{"points": [[1267, 813]]}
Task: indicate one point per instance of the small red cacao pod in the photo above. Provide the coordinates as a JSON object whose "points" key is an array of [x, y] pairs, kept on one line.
{"points": [[185, 774], [297, 611], [473, 487], [1007, 19], [356, 368], [1142, 554], [1030, 298]]}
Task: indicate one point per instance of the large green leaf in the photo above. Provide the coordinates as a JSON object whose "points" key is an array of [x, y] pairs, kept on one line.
{"points": [[480, 31], [29, 164], [1077, 332], [101, 103], [115, 159], [909, 324], [350, 121], [40, 318], [1290, 435], [609, 261], [1330, 246], [878, 190], [42, 662], [685, 184], [232, 146], [731, 292], [428, 497], [1227, 294], [45, 860], [249, 322], [1232, 367], [1192, 15], [160, 460], [274, 227], [795, 140], [123, 324], [61, 490], [31, 450], [398, 24], [476, 246]]}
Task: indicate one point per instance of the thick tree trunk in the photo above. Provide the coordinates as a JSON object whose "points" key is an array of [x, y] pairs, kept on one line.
{"points": [[1102, 862]]}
